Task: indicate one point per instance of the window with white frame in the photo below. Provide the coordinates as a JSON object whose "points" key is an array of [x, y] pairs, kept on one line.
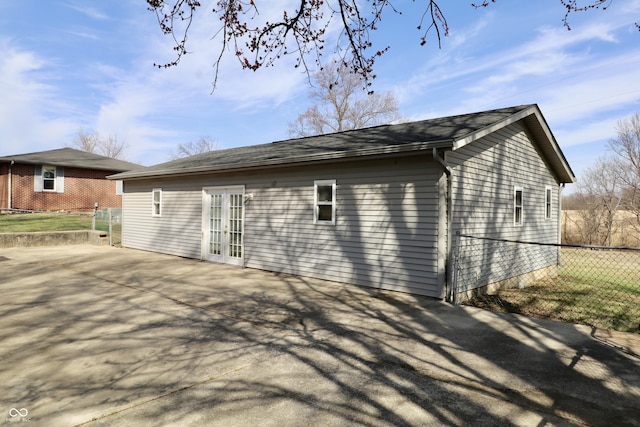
{"points": [[324, 202], [518, 204], [157, 202], [547, 202], [48, 178]]}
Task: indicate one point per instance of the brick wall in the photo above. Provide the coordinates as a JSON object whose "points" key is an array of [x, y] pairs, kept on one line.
{"points": [[82, 188]]}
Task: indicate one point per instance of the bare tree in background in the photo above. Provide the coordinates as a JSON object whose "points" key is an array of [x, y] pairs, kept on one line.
{"points": [[91, 142], [301, 29], [202, 145], [608, 193], [601, 190], [627, 147], [341, 105]]}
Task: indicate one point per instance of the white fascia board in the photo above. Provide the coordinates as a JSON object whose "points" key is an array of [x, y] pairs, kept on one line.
{"points": [[459, 143], [550, 142]]}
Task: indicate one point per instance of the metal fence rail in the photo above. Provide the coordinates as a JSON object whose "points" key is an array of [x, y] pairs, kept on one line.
{"points": [[592, 285]]}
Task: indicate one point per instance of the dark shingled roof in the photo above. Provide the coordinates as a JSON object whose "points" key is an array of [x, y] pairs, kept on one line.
{"points": [[387, 139], [70, 157]]}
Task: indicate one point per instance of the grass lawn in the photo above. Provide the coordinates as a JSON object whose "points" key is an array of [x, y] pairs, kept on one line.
{"points": [[593, 287], [16, 223]]}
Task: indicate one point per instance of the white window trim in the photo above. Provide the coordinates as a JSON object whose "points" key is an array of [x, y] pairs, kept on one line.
{"points": [[153, 202], [119, 187], [515, 206], [316, 203], [548, 202]]}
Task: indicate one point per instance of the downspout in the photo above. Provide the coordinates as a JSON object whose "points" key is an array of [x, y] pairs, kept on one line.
{"points": [[449, 251], [9, 201]]}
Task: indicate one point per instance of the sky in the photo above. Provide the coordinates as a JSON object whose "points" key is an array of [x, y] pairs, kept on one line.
{"points": [[69, 65]]}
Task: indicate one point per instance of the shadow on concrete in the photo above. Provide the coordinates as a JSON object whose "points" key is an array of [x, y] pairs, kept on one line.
{"points": [[105, 336]]}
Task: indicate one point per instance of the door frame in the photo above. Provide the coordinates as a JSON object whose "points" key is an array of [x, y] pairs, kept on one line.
{"points": [[225, 190]]}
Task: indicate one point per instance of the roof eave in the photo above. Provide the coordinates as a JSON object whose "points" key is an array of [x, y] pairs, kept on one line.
{"points": [[289, 161], [62, 164]]}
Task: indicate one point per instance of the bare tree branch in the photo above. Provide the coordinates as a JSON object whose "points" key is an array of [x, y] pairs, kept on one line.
{"points": [[113, 147], [91, 142], [627, 147], [301, 30], [299, 33], [86, 141], [341, 105], [202, 145], [571, 6]]}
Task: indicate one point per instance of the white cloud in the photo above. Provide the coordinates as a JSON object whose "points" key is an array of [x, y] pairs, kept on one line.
{"points": [[584, 133], [89, 11], [149, 107], [84, 33], [570, 73], [31, 115]]}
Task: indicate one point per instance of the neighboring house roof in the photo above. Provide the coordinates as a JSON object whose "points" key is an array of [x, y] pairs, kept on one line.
{"points": [[70, 157], [445, 132]]}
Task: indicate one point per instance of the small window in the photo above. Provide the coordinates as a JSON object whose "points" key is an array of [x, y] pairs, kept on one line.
{"points": [[325, 202], [49, 178], [517, 205], [547, 202], [157, 202]]}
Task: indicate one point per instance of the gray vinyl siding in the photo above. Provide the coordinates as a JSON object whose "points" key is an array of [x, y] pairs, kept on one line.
{"points": [[485, 173], [176, 231], [385, 235]]}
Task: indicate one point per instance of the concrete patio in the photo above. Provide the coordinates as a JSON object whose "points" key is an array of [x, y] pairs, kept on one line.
{"points": [[95, 336]]}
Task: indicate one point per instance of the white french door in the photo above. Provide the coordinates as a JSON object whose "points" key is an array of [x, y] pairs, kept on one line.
{"points": [[222, 227]]}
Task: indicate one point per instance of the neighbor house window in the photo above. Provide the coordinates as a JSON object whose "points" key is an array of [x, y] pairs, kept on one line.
{"points": [[547, 202], [157, 202], [517, 205], [325, 202], [48, 178]]}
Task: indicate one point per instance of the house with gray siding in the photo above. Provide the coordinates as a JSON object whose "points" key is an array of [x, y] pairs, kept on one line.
{"points": [[375, 207]]}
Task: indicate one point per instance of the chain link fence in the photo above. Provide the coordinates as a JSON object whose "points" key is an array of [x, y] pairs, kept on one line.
{"points": [[592, 285], [110, 220]]}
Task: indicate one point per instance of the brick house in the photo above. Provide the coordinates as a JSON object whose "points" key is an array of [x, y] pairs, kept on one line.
{"points": [[64, 179]]}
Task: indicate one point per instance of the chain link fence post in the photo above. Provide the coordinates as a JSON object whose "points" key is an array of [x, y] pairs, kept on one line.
{"points": [[453, 291]]}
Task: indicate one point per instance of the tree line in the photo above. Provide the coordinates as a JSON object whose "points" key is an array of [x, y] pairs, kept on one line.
{"points": [[606, 202]]}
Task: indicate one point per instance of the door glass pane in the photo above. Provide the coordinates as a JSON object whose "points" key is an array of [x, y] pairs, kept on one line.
{"points": [[215, 225], [235, 225]]}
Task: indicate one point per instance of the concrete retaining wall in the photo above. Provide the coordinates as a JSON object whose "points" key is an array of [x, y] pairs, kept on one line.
{"points": [[53, 238]]}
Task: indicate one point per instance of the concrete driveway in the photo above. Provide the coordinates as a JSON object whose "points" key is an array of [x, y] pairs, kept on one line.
{"points": [[101, 336]]}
